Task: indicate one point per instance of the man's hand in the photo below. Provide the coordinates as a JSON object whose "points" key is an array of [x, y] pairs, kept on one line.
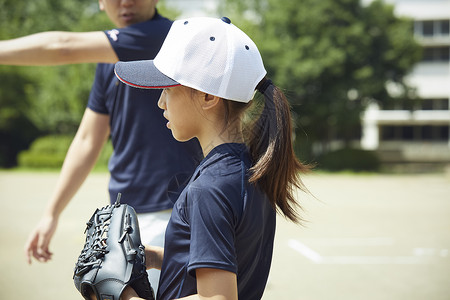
{"points": [[37, 245], [129, 294]]}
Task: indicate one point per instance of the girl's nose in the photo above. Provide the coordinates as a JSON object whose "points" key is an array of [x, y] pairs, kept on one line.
{"points": [[162, 100]]}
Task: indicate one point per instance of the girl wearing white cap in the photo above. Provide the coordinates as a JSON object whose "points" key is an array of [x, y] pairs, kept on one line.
{"points": [[219, 240]]}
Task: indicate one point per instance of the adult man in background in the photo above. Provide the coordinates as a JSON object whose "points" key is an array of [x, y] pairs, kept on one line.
{"points": [[147, 166]]}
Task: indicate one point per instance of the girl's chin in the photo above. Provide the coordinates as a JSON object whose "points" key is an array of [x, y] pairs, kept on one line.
{"points": [[180, 138]]}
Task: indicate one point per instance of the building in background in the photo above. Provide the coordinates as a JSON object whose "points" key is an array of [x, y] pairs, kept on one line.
{"points": [[194, 8], [420, 134]]}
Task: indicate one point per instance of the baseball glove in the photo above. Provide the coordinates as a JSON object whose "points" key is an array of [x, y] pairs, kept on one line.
{"points": [[113, 256]]}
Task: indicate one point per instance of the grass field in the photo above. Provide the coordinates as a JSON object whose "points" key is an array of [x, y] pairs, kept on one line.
{"points": [[367, 237]]}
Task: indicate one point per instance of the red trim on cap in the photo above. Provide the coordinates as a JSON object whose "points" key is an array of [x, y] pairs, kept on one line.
{"points": [[144, 86]]}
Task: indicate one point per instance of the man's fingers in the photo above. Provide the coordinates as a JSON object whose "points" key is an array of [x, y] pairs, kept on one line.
{"points": [[42, 251], [30, 247], [28, 257], [42, 248], [41, 256], [37, 247]]}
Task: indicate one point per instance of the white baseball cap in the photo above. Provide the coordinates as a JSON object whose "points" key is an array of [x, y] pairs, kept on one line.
{"points": [[207, 54]]}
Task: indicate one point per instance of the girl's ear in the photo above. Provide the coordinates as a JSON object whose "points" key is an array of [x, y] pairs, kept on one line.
{"points": [[209, 101]]}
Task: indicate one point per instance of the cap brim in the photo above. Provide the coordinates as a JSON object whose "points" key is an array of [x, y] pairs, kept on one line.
{"points": [[142, 74]]}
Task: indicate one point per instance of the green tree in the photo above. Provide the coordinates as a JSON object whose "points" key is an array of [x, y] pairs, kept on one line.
{"points": [[45, 100], [16, 130], [331, 57], [41, 100], [56, 95]]}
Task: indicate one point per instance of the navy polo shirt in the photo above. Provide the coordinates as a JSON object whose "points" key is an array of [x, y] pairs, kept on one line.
{"points": [[148, 166], [219, 221]]}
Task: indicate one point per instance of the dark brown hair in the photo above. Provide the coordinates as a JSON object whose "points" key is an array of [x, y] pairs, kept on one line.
{"points": [[276, 168]]}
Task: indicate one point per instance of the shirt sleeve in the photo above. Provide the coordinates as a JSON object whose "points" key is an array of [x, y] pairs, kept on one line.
{"points": [[139, 41], [96, 100], [212, 223]]}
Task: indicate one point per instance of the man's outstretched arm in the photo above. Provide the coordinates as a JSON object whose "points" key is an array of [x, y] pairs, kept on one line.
{"points": [[57, 48]]}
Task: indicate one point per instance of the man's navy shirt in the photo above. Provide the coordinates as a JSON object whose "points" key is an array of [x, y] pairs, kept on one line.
{"points": [[148, 165], [219, 221]]}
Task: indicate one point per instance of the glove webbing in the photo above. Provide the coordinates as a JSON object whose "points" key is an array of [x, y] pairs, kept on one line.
{"points": [[91, 256]]}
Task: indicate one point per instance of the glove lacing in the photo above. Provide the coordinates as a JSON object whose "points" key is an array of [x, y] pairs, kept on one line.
{"points": [[92, 255]]}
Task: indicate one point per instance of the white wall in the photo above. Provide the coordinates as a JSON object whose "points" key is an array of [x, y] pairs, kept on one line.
{"points": [[195, 8]]}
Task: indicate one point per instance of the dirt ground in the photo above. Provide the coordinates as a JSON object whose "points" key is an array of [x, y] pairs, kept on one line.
{"points": [[366, 237]]}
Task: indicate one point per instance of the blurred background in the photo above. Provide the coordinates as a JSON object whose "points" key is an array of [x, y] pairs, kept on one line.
{"points": [[369, 82], [369, 85]]}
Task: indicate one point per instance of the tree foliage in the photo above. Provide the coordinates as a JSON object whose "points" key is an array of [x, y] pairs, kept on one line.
{"points": [[45, 100], [331, 57], [37, 100], [56, 95]]}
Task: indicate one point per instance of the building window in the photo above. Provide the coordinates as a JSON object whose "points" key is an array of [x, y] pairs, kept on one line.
{"points": [[444, 27], [434, 104], [414, 133], [389, 133], [407, 133], [424, 104], [436, 54], [432, 28], [434, 133], [427, 28]]}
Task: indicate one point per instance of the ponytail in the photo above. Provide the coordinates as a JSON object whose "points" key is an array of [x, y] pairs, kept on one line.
{"points": [[276, 168]]}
